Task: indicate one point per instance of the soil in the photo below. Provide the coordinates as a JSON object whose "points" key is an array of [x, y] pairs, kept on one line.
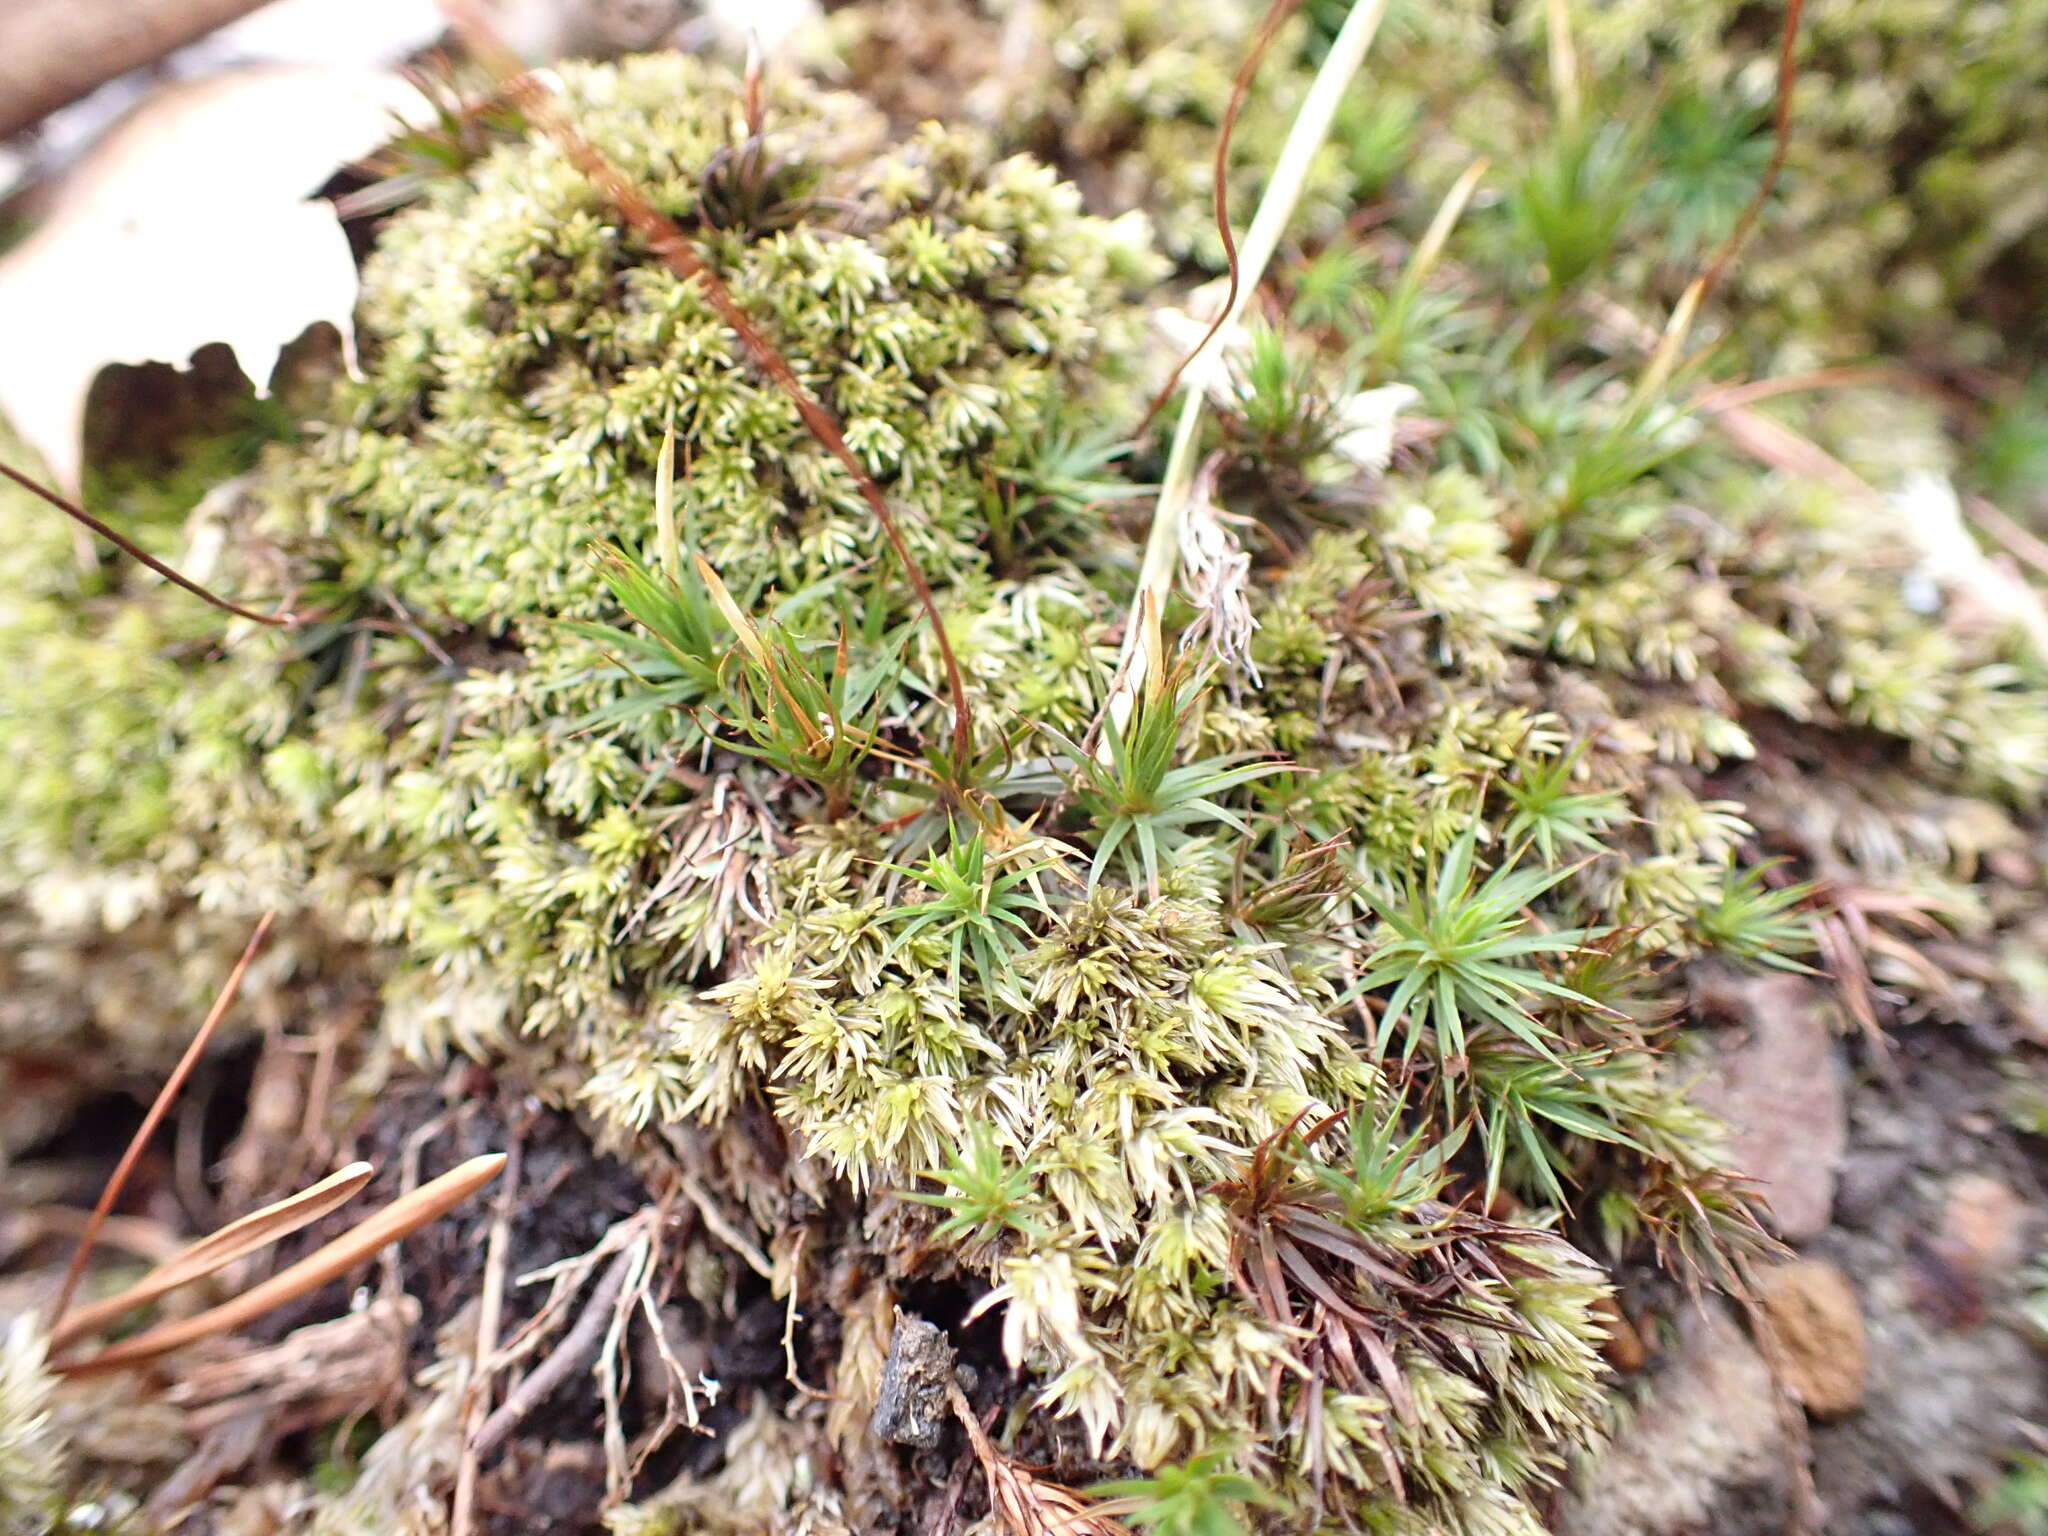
{"points": [[1937, 1201]]}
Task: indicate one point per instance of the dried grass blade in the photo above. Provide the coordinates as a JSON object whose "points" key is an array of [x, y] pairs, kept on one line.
{"points": [[403, 1216], [259, 1229]]}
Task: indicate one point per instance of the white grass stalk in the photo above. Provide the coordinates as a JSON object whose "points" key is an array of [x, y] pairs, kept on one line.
{"points": [[1283, 191]]}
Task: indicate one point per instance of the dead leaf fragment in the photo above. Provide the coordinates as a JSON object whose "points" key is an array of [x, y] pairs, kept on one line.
{"points": [[190, 222]]}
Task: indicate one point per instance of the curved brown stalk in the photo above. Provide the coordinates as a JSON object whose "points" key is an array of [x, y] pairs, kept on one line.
{"points": [[1240, 88], [134, 551], [1781, 129]]}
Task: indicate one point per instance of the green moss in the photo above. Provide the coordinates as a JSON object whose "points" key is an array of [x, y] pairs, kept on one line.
{"points": [[1137, 1021]]}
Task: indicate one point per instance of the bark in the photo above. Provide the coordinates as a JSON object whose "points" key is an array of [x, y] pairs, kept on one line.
{"points": [[52, 52]]}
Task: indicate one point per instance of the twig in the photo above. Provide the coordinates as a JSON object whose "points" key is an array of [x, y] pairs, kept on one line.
{"points": [[164, 1099], [617, 1471], [2016, 540], [490, 1312], [723, 1229], [1781, 130], [574, 1349], [403, 1216], [666, 240], [679, 1385], [791, 1317], [1275, 15], [135, 551]]}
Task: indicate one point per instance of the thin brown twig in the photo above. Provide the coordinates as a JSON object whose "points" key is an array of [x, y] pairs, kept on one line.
{"points": [[164, 1099], [791, 1317], [1781, 131], [1240, 88], [134, 551], [2016, 540], [674, 249]]}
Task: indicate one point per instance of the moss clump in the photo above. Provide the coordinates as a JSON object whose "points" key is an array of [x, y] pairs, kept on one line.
{"points": [[1275, 1102], [526, 363], [32, 1470], [1909, 212]]}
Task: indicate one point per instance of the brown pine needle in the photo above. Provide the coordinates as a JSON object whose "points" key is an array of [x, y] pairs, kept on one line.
{"points": [[134, 551], [164, 1099], [218, 1249], [353, 1248], [674, 249]]}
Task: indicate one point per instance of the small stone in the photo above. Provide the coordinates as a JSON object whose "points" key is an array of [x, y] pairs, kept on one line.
{"points": [[1704, 1451], [1780, 1089], [1816, 1321], [1981, 1228]]}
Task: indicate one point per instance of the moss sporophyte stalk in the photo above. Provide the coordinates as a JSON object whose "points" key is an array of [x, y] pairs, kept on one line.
{"points": [[1281, 1065]]}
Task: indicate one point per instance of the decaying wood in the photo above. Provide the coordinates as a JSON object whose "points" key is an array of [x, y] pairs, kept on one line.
{"points": [[912, 1407]]}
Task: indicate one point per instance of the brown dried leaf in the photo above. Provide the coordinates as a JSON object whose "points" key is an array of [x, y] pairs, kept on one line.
{"points": [[188, 223]]}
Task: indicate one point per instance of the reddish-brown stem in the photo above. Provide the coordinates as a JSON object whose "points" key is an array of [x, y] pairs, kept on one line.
{"points": [[675, 250], [164, 1099], [1781, 129], [129, 548], [1240, 88]]}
